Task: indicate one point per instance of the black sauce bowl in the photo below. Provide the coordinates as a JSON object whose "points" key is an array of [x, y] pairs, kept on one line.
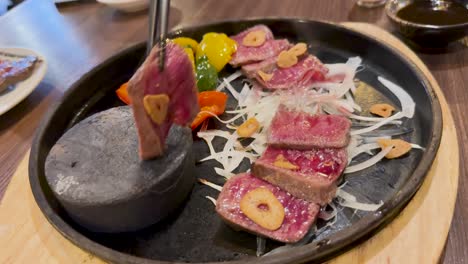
{"points": [[425, 35]]}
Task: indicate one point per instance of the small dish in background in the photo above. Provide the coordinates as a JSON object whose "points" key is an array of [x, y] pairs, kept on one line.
{"points": [[126, 5], [429, 23], [17, 92]]}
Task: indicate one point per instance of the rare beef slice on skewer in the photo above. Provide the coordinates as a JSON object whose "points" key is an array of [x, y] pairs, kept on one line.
{"points": [[162, 98], [251, 204], [307, 174], [299, 130], [124, 169]]}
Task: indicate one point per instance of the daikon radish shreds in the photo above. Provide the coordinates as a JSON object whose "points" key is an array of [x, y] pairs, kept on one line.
{"points": [[333, 97], [219, 133], [366, 118], [348, 200], [389, 132], [244, 95], [416, 146], [361, 149], [351, 101], [213, 200], [305, 240], [208, 139], [226, 174], [408, 106], [210, 184], [223, 121], [349, 69], [354, 63], [354, 149], [366, 164], [328, 215], [366, 140], [231, 89], [377, 125], [261, 241], [229, 79]]}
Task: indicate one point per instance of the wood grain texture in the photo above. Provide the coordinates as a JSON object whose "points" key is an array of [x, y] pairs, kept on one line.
{"points": [[26, 236], [34, 239], [76, 37]]}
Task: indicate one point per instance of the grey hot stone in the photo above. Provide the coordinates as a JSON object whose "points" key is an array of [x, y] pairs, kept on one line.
{"points": [[95, 172]]}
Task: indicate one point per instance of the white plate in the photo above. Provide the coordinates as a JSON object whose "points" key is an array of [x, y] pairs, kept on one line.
{"points": [[17, 92]]}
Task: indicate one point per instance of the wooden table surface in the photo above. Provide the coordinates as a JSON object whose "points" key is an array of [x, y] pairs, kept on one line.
{"points": [[76, 37]]}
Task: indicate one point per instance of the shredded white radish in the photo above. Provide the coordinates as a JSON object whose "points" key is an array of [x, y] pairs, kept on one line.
{"points": [[233, 162], [305, 240], [223, 121], [361, 149], [343, 105], [224, 156], [350, 201], [351, 101], [328, 215], [354, 149], [261, 241], [354, 142], [231, 127], [231, 89], [369, 162], [210, 184], [408, 106], [366, 118], [349, 70], [229, 79], [367, 140], [213, 133], [416, 146], [354, 64], [342, 185], [252, 98], [377, 125], [326, 97], [244, 95], [213, 200], [224, 173], [208, 139]]}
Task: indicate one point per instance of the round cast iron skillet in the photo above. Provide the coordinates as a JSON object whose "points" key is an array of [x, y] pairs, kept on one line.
{"points": [[195, 233]]}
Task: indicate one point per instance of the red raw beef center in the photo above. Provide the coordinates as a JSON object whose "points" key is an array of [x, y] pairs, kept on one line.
{"points": [[299, 214]]}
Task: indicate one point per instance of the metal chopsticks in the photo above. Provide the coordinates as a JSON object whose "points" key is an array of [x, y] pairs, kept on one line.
{"points": [[158, 23]]}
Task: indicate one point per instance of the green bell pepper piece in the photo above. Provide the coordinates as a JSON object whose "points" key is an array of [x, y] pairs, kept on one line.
{"points": [[207, 76]]}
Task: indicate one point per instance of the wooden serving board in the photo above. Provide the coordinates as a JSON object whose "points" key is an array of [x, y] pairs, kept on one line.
{"points": [[422, 227]]}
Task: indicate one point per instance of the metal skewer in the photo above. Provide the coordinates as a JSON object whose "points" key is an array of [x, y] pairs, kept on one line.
{"points": [[158, 23]]}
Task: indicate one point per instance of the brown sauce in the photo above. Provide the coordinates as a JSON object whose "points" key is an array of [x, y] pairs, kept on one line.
{"points": [[434, 13]]}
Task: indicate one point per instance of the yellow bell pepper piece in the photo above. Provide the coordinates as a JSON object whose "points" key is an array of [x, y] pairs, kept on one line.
{"points": [[191, 57], [186, 43], [190, 47], [218, 47]]}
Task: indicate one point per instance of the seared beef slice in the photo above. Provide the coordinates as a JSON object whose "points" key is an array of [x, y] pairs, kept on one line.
{"points": [[309, 69], [177, 81], [299, 214], [15, 71], [246, 54], [300, 130], [307, 174]]}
